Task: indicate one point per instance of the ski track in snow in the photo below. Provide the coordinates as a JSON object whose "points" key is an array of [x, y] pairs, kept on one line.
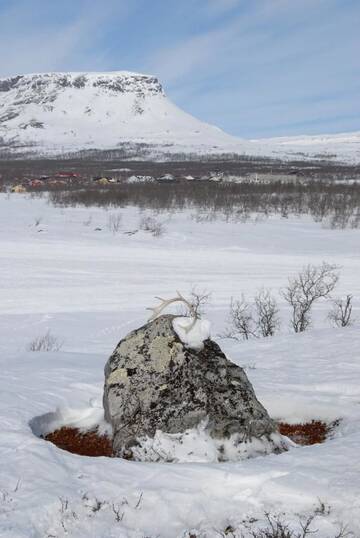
{"points": [[90, 288]]}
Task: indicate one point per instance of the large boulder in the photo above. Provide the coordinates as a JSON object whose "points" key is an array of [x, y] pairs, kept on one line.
{"points": [[155, 382]]}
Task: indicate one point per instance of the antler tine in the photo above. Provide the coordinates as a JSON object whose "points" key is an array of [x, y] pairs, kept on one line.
{"points": [[150, 308], [156, 310], [188, 304]]}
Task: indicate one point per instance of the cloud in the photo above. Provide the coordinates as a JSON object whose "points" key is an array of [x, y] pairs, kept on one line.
{"points": [[275, 56], [40, 36]]}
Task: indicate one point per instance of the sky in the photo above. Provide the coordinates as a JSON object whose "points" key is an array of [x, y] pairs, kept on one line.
{"points": [[255, 68]]}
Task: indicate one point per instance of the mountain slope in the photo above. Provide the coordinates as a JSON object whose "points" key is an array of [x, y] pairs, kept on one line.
{"points": [[53, 114], [71, 111], [333, 147]]}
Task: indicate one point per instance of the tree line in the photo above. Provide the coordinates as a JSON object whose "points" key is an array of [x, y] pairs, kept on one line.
{"points": [[339, 203]]}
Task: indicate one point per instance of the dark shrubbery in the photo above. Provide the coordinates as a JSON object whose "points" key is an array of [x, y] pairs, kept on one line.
{"points": [[338, 203]]}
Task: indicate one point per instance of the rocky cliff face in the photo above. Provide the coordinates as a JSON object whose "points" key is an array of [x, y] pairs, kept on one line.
{"points": [[46, 88]]}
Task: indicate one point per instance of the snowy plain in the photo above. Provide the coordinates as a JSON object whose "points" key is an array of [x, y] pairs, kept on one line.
{"points": [[89, 288]]}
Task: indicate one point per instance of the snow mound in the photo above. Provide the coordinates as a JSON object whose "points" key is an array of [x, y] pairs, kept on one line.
{"points": [[197, 446], [84, 419], [197, 334]]}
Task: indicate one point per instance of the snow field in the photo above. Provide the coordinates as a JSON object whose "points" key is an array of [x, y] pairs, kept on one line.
{"points": [[90, 288]]}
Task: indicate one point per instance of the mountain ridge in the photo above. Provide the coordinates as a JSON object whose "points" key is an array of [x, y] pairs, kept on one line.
{"points": [[57, 113]]}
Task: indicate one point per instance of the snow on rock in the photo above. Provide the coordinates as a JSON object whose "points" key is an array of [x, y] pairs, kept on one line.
{"points": [[156, 383], [193, 338], [196, 445], [166, 177]]}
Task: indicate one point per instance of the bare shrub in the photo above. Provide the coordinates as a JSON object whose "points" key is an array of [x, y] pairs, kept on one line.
{"points": [[326, 201], [310, 285], [114, 222], [158, 229], [46, 342], [37, 221], [341, 312], [198, 299], [152, 225], [268, 321], [253, 319], [88, 221], [242, 324], [119, 515], [146, 223], [277, 528]]}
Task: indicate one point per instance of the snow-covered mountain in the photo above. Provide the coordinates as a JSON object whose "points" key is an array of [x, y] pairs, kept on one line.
{"points": [[60, 113]]}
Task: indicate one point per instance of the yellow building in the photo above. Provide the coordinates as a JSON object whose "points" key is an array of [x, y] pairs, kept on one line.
{"points": [[18, 188], [103, 181]]}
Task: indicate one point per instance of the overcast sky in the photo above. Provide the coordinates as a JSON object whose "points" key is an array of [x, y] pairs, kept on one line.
{"points": [[252, 67]]}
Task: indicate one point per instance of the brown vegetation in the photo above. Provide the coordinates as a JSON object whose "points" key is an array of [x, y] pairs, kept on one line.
{"points": [[93, 444], [84, 444], [311, 433]]}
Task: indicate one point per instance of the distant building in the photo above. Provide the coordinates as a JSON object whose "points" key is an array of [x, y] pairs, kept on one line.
{"points": [[103, 181], [35, 183], [18, 188], [166, 177]]}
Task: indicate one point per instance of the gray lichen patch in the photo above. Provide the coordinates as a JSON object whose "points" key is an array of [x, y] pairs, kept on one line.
{"points": [[117, 376]]}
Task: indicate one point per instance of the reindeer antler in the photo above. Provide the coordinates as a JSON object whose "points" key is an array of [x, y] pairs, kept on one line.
{"points": [[166, 302]]}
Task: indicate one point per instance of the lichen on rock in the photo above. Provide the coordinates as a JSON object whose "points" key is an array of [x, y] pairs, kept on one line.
{"points": [[156, 383]]}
